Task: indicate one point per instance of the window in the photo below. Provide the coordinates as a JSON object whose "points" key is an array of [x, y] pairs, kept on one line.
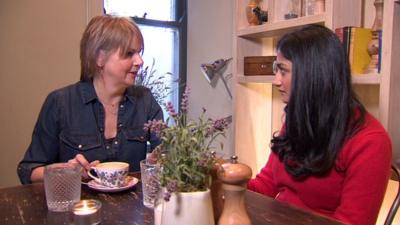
{"points": [[163, 24]]}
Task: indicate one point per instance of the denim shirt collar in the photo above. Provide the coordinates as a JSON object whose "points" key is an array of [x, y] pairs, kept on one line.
{"points": [[88, 93]]}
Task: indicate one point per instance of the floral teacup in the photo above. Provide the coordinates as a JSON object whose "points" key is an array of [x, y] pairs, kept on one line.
{"points": [[110, 174]]}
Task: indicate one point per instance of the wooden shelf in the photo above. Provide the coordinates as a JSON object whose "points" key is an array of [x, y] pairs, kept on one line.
{"points": [[278, 28]]}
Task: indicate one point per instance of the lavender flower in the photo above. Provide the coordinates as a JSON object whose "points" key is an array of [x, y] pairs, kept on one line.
{"points": [[220, 124], [170, 109], [202, 163], [158, 84], [167, 196], [185, 100], [172, 186], [155, 126]]}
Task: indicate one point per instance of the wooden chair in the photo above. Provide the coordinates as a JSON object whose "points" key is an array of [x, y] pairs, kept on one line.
{"points": [[396, 202]]}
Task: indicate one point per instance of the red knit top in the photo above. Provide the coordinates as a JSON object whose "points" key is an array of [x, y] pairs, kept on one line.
{"points": [[353, 193]]}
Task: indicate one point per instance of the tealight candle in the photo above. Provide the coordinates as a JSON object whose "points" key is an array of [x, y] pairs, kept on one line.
{"points": [[87, 212]]}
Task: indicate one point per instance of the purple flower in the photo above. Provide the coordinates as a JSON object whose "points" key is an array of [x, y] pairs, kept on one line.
{"points": [[155, 126], [167, 196], [220, 124], [170, 109], [185, 100], [172, 186], [202, 163]]}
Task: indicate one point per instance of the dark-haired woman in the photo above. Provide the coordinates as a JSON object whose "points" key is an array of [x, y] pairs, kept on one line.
{"points": [[101, 117], [331, 156]]}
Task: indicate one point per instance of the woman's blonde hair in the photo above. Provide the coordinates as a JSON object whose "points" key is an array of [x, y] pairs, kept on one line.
{"points": [[106, 33]]}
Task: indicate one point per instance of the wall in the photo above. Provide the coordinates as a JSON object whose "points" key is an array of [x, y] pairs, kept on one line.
{"points": [[39, 52], [210, 35]]}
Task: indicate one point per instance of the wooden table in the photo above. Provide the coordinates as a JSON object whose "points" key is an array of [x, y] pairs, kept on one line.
{"points": [[27, 205]]}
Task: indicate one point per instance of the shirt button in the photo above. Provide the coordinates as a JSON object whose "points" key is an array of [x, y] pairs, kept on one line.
{"points": [[80, 146], [107, 147], [121, 106], [101, 129], [120, 125], [116, 142]]}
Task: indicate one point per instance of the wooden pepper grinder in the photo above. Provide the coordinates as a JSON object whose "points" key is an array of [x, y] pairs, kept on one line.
{"points": [[234, 177], [217, 194]]}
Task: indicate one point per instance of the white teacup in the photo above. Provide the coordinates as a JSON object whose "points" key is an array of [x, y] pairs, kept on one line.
{"points": [[110, 174]]}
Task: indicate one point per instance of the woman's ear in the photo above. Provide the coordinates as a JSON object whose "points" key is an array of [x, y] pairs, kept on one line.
{"points": [[101, 59]]}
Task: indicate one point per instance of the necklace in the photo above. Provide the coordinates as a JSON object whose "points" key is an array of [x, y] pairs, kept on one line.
{"points": [[108, 107], [111, 108]]}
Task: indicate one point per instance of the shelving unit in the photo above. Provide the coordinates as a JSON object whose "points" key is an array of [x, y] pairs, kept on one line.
{"points": [[258, 107]]}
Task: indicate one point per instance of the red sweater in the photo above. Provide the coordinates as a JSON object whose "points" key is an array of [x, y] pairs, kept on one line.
{"points": [[352, 195]]}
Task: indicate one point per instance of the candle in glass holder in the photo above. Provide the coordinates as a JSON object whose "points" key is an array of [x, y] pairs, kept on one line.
{"points": [[86, 212]]}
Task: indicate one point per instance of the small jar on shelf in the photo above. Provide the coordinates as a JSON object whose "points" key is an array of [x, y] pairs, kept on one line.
{"points": [[313, 7], [293, 9]]}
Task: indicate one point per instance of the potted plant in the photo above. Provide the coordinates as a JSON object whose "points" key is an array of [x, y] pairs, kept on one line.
{"points": [[185, 156]]}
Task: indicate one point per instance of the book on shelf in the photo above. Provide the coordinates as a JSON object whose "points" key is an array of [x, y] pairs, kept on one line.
{"points": [[355, 43], [380, 51], [359, 57], [344, 35]]}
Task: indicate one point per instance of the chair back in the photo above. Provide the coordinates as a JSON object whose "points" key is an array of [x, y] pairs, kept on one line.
{"points": [[396, 203]]}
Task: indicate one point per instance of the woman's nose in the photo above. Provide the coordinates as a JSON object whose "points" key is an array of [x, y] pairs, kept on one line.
{"points": [[137, 60], [277, 81]]}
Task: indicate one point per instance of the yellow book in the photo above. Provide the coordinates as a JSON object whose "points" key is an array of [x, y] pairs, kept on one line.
{"points": [[358, 55]]}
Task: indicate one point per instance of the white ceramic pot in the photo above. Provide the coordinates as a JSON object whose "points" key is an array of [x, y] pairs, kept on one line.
{"points": [[194, 208]]}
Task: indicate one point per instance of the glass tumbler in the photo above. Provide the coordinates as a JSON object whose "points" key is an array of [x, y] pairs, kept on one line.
{"points": [[309, 7], [62, 183], [150, 178]]}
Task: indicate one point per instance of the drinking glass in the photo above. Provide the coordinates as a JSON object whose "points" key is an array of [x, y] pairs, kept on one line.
{"points": [[62, 183], [150, 182], [309, 7]]}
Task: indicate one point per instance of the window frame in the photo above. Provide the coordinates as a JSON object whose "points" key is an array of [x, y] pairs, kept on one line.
{"points": [[180, 23]]}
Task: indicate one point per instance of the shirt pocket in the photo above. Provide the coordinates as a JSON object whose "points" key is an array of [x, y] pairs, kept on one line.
{"points": [[135, 134], [80, 142]]}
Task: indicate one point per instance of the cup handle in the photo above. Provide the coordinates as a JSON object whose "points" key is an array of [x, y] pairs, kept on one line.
{"points": [[93, 176]]}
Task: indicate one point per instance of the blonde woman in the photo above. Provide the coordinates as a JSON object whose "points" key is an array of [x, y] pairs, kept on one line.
{"points": [[101, 117]]}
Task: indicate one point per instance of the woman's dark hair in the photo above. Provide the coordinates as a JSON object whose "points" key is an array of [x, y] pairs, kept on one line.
{"points": [[323, 110]]}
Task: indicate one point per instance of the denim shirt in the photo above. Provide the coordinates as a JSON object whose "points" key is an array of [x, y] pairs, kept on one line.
{"points": [[72, 120]]}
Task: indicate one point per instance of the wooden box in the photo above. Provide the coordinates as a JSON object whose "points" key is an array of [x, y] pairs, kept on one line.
{"points": [[258, 65]]}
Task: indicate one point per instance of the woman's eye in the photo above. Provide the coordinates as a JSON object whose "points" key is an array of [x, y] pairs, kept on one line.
{"points": [[283, 71], [130, 53]]}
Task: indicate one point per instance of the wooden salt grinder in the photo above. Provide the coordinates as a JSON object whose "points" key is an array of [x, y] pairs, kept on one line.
{"points": [[234, 177]]}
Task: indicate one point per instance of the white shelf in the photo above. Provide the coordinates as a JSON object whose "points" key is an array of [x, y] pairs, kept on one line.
{"points": [[278, 28], [255, 79], [366, 79]]}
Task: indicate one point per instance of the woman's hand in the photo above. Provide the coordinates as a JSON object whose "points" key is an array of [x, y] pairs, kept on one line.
{"points": [[81, 160]]}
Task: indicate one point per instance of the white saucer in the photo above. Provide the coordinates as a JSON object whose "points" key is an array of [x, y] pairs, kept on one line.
{"points": [[130, 182]]}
